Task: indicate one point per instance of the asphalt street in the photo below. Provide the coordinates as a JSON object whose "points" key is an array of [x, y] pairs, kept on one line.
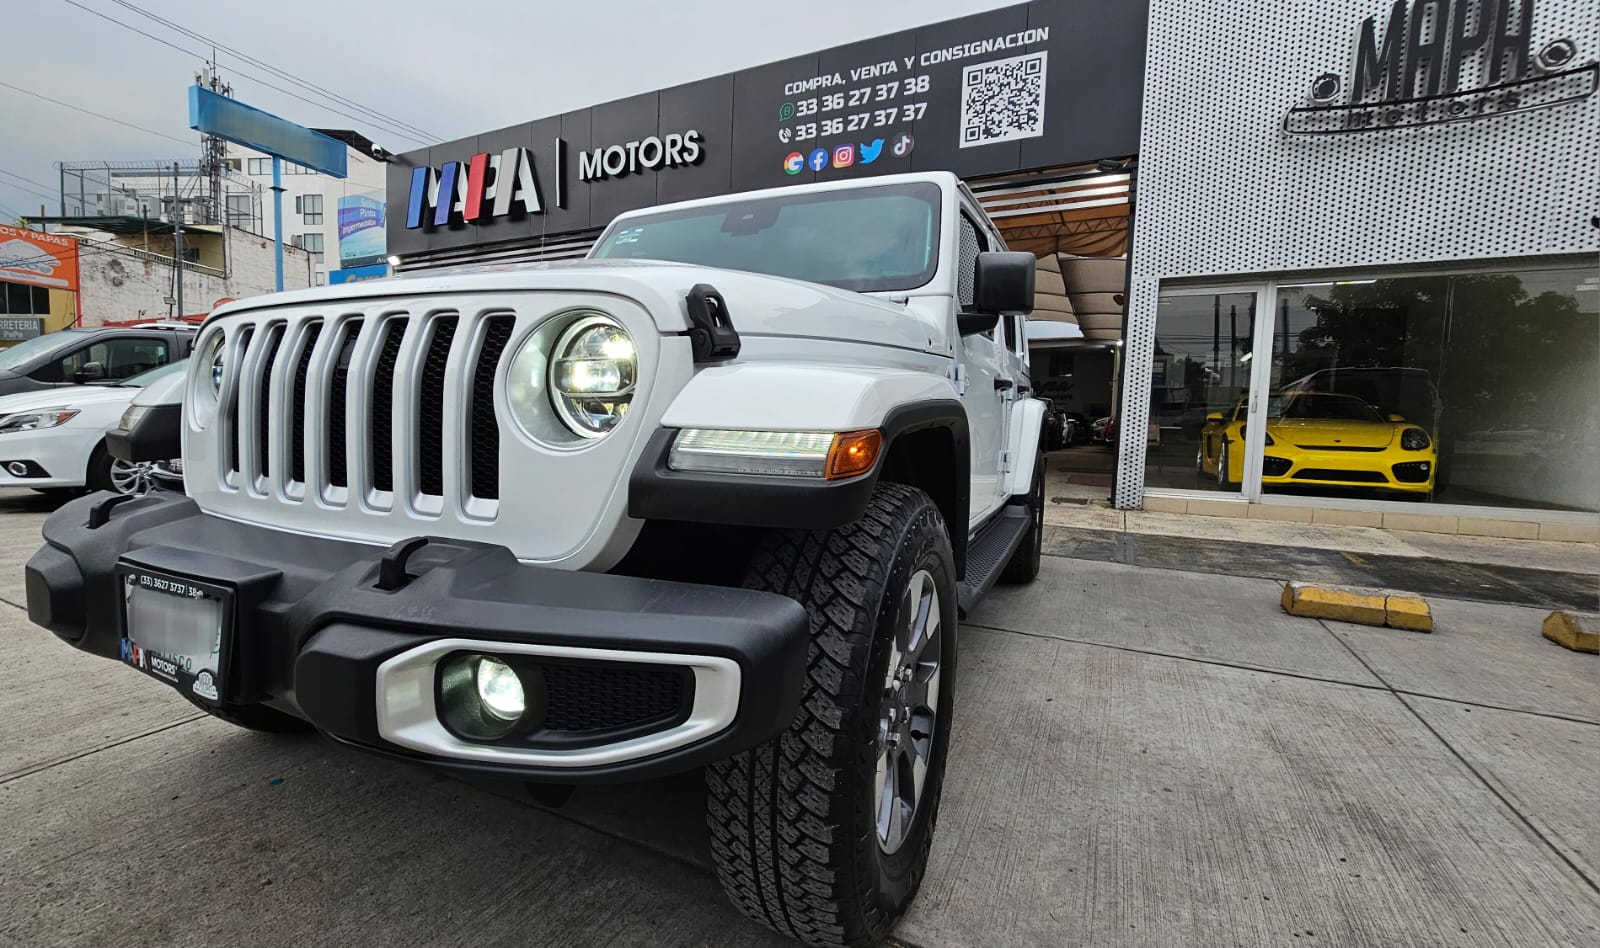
{"points": [[1143, 755]]}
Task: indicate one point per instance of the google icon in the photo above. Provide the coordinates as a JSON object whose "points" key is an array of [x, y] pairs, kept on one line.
{"points": [[794, 163]]}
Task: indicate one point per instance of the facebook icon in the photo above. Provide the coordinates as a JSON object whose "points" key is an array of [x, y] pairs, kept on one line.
{"points": [[818, 159]]}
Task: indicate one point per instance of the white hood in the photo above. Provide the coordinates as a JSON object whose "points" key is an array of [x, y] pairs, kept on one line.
{"points": [[758, 304]]}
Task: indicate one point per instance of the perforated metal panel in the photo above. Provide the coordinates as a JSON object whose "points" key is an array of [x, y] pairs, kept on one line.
{"points": [[1226, 190]]}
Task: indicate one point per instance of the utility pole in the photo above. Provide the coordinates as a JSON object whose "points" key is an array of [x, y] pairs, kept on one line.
{"points": [[177, 241]]}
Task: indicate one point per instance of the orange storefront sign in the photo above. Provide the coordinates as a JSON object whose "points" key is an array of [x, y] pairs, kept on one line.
{"points": [[31, 256]]}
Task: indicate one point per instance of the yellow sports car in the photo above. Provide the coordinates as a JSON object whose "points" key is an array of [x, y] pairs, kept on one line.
{"points": [[1321, 439]]}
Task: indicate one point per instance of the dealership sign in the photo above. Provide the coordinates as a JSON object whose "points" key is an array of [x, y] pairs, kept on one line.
{"points": [[506, 184], [1435, 61], [991, 93]]}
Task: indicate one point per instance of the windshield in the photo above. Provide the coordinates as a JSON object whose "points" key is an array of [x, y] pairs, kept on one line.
{"points": [[145, 378], [1331, 407], [864, 239], [25, 351]]}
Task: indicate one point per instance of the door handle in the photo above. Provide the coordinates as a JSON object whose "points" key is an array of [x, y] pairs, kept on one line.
{"points": [[1003, 385]]}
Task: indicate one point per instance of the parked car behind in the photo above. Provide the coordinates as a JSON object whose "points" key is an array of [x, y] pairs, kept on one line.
{"points": [[56, 439], [91, 356]]}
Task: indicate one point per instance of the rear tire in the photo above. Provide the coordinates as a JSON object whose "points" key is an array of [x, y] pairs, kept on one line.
{"points": [[812, 833], [1024, 563]]}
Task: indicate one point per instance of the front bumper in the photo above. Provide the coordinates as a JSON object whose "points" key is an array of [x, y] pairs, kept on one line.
{"points": [[316, 634], [1390, 470], [54, 457]]}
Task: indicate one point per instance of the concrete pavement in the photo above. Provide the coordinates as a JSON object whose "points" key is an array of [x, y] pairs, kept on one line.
{"points": [[1142, 757]]}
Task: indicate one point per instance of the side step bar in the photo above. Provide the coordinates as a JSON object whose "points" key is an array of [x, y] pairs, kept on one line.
{"points": [[989, 553]]}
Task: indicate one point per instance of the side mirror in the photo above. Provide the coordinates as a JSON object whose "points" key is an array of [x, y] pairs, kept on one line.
{"points": [[91, 372], [1214, 416], [1394, 417], [1004, 282]]}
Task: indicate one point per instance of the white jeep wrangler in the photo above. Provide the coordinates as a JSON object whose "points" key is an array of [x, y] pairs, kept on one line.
{"points": [[713, 498]]}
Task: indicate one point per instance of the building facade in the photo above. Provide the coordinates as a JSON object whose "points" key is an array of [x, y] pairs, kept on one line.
{"points": [[1376, 209], [1363, 283]]}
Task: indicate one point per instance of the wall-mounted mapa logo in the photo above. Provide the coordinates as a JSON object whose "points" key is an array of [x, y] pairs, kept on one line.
{"points": [[488, 186], [1437, 61]]}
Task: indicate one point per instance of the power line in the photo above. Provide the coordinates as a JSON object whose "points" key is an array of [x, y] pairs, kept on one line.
{"points": [[78, 108], [311, 87], [27, 189], [250, 76], [19, 177]]}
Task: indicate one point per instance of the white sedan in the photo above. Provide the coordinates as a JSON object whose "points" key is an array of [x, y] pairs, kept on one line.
{"points": [[55, 439]]}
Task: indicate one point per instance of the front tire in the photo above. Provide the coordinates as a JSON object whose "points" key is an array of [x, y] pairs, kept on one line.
{"points": [[822, 833], [108, 473]]}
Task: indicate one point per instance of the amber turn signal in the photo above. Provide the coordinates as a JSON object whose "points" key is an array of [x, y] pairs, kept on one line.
{"points": [[853, 452]]}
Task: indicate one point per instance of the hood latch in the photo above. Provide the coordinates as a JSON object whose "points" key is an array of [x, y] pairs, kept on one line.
{"points": [[711, 332]]}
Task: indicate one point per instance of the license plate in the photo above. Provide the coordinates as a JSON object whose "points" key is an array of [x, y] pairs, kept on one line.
{"points": [[177, 630]]}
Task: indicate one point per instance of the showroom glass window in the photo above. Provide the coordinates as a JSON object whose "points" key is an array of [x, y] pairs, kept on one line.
{"points": [[1480, 388], [1199, 385]]}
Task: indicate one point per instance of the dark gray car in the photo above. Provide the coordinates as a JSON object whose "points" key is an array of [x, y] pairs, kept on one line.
{"points": [[91, 356]]}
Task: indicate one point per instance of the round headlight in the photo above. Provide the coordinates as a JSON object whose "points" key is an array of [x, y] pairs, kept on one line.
{"points": [[592, 376], [207, 387]]}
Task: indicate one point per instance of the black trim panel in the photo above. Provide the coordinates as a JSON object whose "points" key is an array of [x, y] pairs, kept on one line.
{"points": [[157, 436]]}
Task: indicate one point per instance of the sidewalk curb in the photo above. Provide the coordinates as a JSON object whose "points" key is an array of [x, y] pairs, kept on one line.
{"points": [[1380, 607]]}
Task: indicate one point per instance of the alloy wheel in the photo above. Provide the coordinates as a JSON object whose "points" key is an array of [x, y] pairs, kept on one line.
{"points": [[132, 477], [909, 713]]}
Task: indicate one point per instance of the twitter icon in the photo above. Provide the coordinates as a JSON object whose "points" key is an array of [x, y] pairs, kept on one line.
{"points": [[870, 153]]}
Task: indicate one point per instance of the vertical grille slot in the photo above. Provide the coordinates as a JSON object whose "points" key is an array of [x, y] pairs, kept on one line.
{"points": [[430, 406], [264, 406], [338, 469], [382, 406], [297, 446], [483, 430], [239, 354]]}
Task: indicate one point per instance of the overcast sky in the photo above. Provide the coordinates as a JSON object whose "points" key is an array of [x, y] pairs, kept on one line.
{"points": [[448, 68]]}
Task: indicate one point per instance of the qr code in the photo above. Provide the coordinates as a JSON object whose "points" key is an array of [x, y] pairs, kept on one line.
{"points": [[1003, 100]]}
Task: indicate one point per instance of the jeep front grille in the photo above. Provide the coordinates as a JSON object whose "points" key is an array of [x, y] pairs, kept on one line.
{"points": [[297, 441], [304, 381], [485, 431], [380, 434]]}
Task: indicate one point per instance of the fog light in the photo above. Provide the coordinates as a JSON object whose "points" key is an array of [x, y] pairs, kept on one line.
{"points": [[18, 469], [500, 689], [484, 698]]}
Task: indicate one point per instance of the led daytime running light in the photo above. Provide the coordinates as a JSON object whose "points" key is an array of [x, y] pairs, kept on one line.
{"points": [[818, 454]]}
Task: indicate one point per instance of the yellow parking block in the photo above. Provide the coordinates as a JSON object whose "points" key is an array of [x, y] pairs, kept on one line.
{"points": [[1359, 605], [1579, 631], [1407, 612], [1341, 603]]}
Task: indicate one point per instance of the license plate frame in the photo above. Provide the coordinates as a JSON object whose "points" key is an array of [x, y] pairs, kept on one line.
{"points": [[199, 672]]}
